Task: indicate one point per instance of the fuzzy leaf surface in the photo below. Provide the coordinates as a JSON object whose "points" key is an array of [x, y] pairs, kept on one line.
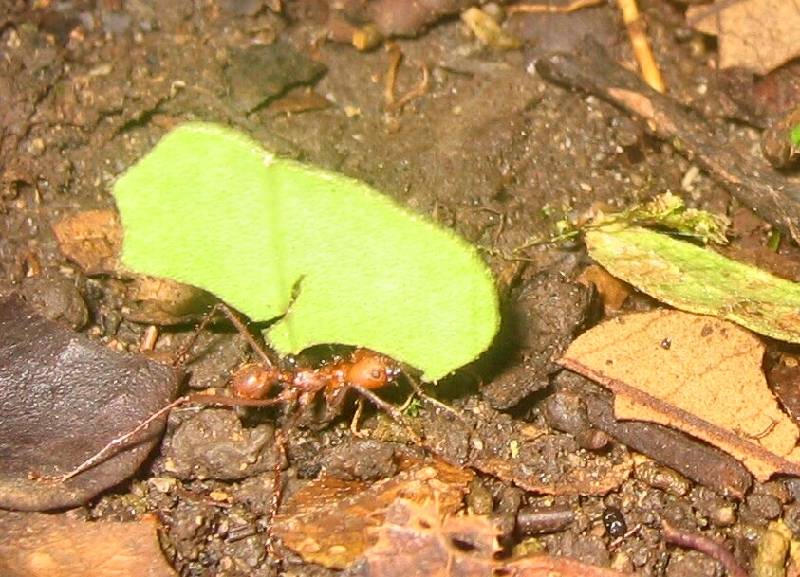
{"points": [[332, 259]]}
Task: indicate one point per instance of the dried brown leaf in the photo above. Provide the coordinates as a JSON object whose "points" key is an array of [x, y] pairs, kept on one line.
{"points": [[756, 34], [599, 477], [36, 545], [92, 239], [163, 301], [545, 566], [417, 540], [699, 374], [613, 291], [328, 521]]}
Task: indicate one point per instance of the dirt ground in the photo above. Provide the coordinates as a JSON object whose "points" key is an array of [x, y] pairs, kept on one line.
{"points": [[487, 147]]}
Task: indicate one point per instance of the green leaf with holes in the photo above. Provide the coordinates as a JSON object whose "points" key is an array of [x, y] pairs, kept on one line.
{"points": [[698, 280], [326, 257]]}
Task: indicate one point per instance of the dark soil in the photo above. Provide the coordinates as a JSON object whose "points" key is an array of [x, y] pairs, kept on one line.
{"points": [[490, 149]]}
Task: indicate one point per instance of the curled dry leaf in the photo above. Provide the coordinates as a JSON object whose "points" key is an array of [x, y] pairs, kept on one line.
{"points": [[545, 566], [756, 34], [698, 374], [63, 397], [613, 291], [417, 540], [328, 521], [163, 301], [37, 545]]}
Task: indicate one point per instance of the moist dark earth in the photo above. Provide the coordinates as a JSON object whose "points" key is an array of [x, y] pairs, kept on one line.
{"points": [[486, 146]]}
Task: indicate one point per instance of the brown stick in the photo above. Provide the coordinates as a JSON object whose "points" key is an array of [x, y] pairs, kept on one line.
{"points": [[549, 9], [754, 183], [705, 545], [637, 33]]}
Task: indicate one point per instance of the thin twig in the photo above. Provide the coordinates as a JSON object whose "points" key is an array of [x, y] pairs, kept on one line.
{"points": [[637, 33], [705, 545], [550, 9]]}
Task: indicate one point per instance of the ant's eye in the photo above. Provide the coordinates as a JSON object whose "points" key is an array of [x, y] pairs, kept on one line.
{"points": [[376, 374]]}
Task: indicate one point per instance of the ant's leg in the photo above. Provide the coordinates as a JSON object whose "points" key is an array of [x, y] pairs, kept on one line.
{"points": [[109, 448], [257, 347], [357, 417], [389, 409], [277, 488], [202, 399], [432, 400], [407, 403], [183, 353]]}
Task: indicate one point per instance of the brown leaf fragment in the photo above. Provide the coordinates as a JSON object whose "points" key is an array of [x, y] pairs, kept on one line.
{"points": [[92, 239], [699, 374], [613, 291], [784, 377], [37, 545], [327, 522], [756, 34], [62, 398], [418, 540], [546, 566], [597, 478], [163, 301]]}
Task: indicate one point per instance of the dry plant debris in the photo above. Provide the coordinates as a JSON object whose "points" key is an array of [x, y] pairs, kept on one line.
{"points": [[328, 521], [613, 291], [699, 374], [770, 194], [698, 280], [704, 544], [545, 566], [637, 32], [418, 540], [756, 34], [488, 31], [92, 239], [773, 549], [37, 545], [64, 397], [546, 8]]}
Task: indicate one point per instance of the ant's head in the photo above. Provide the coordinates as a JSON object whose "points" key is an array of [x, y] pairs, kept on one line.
{"points": [[371, 370]]}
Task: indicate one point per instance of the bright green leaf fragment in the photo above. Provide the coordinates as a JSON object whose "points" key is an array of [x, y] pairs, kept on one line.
{"points": [[794, 136], [330, 258], [698, 280]]}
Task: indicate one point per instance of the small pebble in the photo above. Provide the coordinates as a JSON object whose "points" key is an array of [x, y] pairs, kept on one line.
{"points": [[765, 506], [662, 478], [614, 522]]}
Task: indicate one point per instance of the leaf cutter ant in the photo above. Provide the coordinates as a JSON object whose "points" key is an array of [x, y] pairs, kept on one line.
{"points": [[263, 383]]}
